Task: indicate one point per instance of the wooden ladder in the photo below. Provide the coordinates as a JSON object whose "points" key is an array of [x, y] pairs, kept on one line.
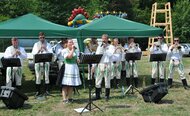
{"points": [[167, 25]]}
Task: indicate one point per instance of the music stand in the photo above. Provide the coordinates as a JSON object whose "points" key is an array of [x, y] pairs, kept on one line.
{"points": [[45, 57], [42, 58], [11, 62], [132, 57], [158, 58], [90, 59]]}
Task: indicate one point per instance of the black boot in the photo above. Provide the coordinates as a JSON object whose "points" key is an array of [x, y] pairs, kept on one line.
{"points": [[107, 95], [184, 81], [161, 80], [170, 83], [97, 94], [123, 74], [128, 81], [38, 92], [136, 82], [112, 82], [47, 93], [117, 83], [153, 81], [18, 87]]}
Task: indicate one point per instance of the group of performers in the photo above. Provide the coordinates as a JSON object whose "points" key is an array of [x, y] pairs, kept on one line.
{"points": [[110, 69], [68, 57]]}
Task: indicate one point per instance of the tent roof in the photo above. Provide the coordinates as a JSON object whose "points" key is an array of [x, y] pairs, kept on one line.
{"points": [[29, 25], [118, 27]]}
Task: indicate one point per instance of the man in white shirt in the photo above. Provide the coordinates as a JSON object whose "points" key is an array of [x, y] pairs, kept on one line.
{"points": [[104, 67], [158, 47], [175, 54], [116, 65], [58, 50], [42, 46], [91, 45], [14, 51], [131, 47]]}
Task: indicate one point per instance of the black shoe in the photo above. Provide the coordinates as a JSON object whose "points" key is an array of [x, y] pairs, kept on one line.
{"points": [[107, 98], [153, 81], [96, 98], [170, 81], [66, 101], [162, 80], [184, 81], [107, 94], [128, 82], [70, 100], [97, 94], [37, 94], [47, 93], [136, 81], [186, 87]]}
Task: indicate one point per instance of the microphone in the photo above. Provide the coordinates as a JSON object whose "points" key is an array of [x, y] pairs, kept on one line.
{"points": [[74, 47], [102, 44]]}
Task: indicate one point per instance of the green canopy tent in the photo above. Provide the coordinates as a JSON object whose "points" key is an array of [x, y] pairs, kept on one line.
{"points": [[29, 25], [116, 27]]}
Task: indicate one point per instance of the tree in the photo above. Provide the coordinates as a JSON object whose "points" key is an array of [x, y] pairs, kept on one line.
{"points": [[15, 8], [181, 20]]}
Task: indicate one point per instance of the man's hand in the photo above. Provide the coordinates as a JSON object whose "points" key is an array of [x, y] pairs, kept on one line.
{"points": [[92, 69], [18, 52]]}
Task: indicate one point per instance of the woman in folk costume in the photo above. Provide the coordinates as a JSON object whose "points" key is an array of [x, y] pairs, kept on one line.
{"points": [[71, 76], [15, 51], [104, 67], [131, 47], [175, 54], [41, 47], [158, 47], [116, 64]]}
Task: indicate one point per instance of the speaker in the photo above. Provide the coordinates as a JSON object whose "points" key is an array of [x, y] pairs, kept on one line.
{"points": [[154, 93], [12, 97]]}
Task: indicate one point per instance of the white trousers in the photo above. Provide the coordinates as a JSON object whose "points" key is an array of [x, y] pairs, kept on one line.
{"points": [[103, 70], [116, 70], [180, 68], [129, 69], [16, 76], [155, 70], [39, 71]]}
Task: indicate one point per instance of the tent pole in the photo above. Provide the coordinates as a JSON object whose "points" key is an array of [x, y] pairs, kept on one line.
{"points": [[81, 48]]}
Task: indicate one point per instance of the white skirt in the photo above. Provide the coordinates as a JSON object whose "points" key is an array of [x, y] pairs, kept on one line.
{"points": [[71, 76]]}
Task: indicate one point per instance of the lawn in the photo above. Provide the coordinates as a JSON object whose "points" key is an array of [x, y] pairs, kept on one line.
{"points": [[176, 102]]}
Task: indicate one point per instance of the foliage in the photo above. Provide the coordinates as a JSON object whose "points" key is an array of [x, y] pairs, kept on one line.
{"points": [[58, 11], [15, 8], [181, 20]]}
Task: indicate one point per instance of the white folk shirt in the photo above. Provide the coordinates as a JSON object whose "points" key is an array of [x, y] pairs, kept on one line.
{"points": [[107, 53], [176, 54], [119, 54], [162, 49], [58, 52], [131, 50], [37, 47], [10, 51]]}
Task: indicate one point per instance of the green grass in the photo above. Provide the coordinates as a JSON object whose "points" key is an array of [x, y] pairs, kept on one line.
{"points": [[175, 103]]}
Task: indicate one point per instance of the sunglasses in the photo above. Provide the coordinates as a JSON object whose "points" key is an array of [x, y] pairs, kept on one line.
{"points": [[176, 40], [41, 37]]}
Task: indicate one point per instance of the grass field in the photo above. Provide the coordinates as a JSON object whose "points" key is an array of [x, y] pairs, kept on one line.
{"points": [[175, 103]]}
